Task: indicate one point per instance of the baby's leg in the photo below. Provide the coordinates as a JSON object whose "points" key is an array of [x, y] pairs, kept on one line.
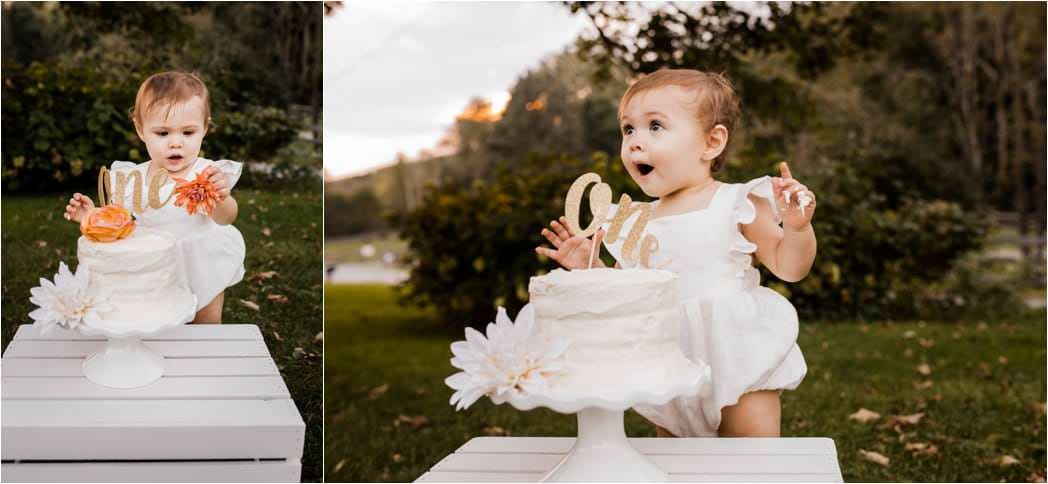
{"points": [[212, 313], [756, 415]]}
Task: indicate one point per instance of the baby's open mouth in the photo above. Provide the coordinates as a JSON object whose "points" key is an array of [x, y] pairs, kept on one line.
{"points": [[644, 168], [175, 157]]}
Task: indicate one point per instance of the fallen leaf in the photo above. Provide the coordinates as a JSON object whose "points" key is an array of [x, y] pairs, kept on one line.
{"points": [[40, 244], [397, 457], [982, 326], [1038, 407], [913, 419], [298, 352], [494, 431], [922, 448], [378, 391], [1035, 476], [1007, 460], [924, 369], [864, 415], [338, 466], [266, 232], [926, 343], [252, 305], [909, 334], [278, 298], [875, 457], [319, 338], [415, 422], [926, 384], [277, 336], [263, 276], [1002, 360], [908, 353]]}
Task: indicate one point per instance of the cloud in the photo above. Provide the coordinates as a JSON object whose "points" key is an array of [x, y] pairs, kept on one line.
{"points": [[396, 71]]}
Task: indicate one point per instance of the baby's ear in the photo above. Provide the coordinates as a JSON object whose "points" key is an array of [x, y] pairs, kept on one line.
{"points": [[716, 141]]}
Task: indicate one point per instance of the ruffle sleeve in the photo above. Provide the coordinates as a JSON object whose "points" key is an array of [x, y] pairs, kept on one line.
{"points": [[231, 169], [745, 212]]}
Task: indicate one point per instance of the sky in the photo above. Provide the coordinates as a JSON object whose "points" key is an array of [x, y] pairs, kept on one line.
{"points": [[397, 73]]}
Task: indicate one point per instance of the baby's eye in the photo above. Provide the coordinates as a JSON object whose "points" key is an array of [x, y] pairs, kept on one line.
{"points": [[627, 130], [188, 133], [161, 133], [656, 126]]}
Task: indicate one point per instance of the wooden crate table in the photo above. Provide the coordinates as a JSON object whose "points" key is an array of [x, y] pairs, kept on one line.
{"points": [[220, 413], [528, 459]]}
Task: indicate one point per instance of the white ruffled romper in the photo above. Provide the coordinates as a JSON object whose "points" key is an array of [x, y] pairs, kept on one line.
{"points": [[211, 255], [747, 333]]}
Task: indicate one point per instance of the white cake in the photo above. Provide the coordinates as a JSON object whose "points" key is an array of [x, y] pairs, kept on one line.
{"points": [[141, 275], [623, 326]]}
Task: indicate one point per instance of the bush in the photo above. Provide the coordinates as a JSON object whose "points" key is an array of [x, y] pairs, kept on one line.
{"points": [[471, 245], [62, 122]]}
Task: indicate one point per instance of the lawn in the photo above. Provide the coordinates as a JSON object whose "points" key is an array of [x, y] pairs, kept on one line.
{"points": [[983, 396], [282, 231]]}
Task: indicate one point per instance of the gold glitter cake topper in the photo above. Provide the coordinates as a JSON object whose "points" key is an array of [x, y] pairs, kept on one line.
{"points": [[117, 193], [600, 202]]}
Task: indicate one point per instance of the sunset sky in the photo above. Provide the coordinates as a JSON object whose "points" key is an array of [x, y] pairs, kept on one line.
{"points": [[396, 74]]}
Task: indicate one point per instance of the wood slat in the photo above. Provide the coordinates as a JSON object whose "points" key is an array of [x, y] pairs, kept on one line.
{"points": [[651, 445], [184, 332], [269, 471], [141, 429], [168, 349], [536, 476], [207, 388], [676, 463], [173, 367]]}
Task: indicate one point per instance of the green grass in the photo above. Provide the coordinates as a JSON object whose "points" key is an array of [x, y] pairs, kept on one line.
{"points": [[347, 250], [293, 249], [978, 406]]}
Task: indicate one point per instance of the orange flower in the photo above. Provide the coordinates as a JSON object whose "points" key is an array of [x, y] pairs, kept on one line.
{"points": [[107, 224], [199, 193]]}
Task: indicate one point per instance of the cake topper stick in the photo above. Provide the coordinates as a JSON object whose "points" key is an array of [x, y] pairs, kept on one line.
{"points": [[595, 248]]}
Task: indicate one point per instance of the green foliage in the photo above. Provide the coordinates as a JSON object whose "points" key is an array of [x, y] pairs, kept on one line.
{"points": [[71, 73], [353, 214], [884, 260], [472, 243]]}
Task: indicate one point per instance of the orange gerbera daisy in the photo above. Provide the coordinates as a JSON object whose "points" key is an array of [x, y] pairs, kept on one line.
{"points": [[197, 194]]}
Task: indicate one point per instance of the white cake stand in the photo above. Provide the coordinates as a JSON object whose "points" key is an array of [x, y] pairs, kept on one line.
{"points": [[601, 452], [126, 362]]}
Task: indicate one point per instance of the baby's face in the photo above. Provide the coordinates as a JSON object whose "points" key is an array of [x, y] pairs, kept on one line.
{"points": [[662, 141], [173, 137]]}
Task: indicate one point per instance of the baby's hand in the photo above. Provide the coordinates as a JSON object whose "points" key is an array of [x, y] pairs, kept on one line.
{"points": [[78, 207], [572, 251], [220, 181], [796, 202]]}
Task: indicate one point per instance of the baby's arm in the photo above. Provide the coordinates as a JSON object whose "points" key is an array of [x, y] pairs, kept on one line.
{"points": [[787, 251], [78, 207], [226, 211]]}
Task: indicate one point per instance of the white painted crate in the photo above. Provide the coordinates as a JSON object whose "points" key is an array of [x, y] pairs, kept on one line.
{"points": [[220, 413], [528, 459]]}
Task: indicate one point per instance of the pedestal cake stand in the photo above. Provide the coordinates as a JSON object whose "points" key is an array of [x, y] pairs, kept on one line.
{"points": [[126, 362], [601, 451]]}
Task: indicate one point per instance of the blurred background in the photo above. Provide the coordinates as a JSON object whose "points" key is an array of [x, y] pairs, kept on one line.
{"points": [[70, 74], [921, 127]]}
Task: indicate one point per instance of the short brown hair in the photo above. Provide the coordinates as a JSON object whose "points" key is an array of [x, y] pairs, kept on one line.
{"points": [[716, 103], [168, 88]]}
